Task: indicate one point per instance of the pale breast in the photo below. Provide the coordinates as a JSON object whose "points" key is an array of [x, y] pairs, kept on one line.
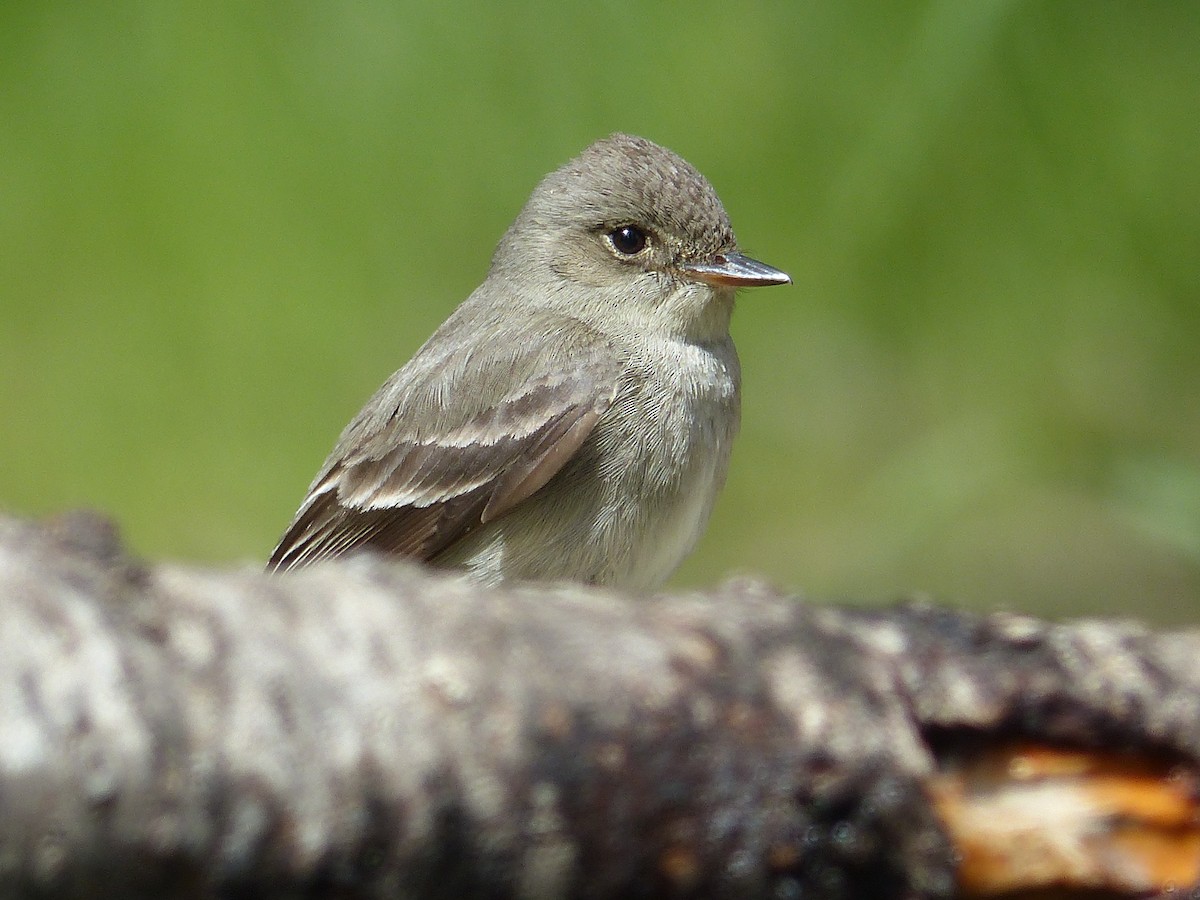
{"points": [[704, 382], [674, 535]]}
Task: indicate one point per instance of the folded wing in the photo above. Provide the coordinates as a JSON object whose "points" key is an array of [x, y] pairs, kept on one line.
{"points": [[398, 487]]}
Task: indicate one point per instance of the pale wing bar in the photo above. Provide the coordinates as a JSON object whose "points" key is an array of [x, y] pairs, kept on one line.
{"points": [[418, 498]]}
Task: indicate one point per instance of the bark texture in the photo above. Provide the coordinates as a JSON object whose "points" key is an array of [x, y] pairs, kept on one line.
{"points": [[371, 729]]}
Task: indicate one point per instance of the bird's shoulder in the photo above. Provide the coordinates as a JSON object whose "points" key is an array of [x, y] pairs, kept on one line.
{"points": [[481, 363]]}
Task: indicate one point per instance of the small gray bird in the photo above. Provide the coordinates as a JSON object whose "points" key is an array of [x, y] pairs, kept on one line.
{"points": [[572, 419]]}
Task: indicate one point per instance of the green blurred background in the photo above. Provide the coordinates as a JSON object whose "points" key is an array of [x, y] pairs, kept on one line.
{"points": [[224, 224]]}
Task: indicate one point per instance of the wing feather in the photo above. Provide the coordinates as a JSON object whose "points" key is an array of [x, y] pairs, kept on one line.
{"points": [[393, 487]]}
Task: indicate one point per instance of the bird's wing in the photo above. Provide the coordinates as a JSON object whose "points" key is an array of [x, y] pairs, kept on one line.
{"points": [[397, 487]]}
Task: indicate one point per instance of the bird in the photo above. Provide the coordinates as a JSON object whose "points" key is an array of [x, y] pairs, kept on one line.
{"points": [[572, 419]]}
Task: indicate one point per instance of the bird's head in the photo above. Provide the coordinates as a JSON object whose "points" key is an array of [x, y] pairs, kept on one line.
{"points": [[630, 235]]}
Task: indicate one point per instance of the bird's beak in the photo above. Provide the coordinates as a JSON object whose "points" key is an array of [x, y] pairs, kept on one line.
{"points": [[734, 270]]}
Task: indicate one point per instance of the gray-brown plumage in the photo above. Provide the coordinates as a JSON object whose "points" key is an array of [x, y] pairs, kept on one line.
{"points": [[572, 419]]}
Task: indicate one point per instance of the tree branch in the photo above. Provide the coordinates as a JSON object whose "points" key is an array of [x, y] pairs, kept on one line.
{"points": [[368, 729]]}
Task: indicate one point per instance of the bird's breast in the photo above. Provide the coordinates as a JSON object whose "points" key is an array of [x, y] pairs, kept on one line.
{"points": [[683, 419], [671, 536]]}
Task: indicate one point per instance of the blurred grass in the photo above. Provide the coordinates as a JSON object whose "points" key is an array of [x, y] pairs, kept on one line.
{"points": [[225, 224]]}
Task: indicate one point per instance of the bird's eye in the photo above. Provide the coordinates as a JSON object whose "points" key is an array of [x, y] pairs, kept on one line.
{"points": [[628, 240]]}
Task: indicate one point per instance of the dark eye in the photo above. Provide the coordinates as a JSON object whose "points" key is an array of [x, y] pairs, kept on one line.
{"points": [[628, 240]]}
